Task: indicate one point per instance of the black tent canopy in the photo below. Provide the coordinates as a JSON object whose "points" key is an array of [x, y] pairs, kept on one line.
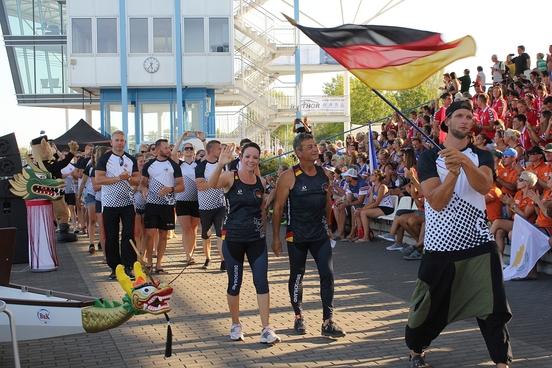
{"points": [[83, 134]]}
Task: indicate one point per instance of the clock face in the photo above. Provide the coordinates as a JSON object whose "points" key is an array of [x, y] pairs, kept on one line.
{"points": [[151, 64]]}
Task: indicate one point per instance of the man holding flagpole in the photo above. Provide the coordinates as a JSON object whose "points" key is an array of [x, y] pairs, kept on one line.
{"points": [[460, 275]]}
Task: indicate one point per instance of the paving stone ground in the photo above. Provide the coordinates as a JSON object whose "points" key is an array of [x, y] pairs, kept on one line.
{"points": [[372, 289]]}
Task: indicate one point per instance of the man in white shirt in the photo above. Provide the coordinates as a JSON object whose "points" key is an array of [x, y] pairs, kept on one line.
{"points": [[497, 69]]}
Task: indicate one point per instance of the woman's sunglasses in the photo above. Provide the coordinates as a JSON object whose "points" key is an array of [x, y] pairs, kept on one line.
{"points": [[188, 148]]}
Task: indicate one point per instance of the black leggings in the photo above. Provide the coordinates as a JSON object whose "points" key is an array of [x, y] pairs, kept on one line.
{"points": [[322, 253], [257, 256], [119, 252]]}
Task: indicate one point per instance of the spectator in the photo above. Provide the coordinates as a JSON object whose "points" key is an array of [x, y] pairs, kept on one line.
{"points": [[481, 78], [541, 63], [522, 61], [497, 69], [379, 204], [499, 103], [465, 82]]}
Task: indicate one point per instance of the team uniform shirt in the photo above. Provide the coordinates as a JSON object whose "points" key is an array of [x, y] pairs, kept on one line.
{"points": [[499, 106], [69, 180], [386, 200], [209, 199], [510, 175], [542, 219], [532, 117], [525, 139], [463, 217], [543, 170], [521, 201], [244, 220], [118, 194], [307, 207], [486, 118], [355, 190], [161, 174], [440, 116], [494, 205], [190, 187]]}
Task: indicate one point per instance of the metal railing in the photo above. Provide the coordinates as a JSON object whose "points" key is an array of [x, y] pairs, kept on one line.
{"points": [[5, 310]]}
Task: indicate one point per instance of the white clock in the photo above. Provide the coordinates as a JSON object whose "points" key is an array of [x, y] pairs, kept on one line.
{"points": [[151, 64]]}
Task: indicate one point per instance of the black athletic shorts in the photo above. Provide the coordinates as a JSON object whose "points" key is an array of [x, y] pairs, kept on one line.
{"points": [[159, 216], [98, 206], [187, 208], [386, 210], [70, 199], [210, 218]]}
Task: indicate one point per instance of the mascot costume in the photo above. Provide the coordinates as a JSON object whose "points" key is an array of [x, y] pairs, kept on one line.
{"points": [[44, 153]]}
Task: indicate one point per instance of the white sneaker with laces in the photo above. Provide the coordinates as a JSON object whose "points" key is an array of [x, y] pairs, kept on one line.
{"points": [[268, 336], [395, 246], [236, 333]]}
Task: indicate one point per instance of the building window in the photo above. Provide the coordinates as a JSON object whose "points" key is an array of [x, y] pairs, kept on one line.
{"points": [[194, 35], [218, 35], [139, 35], [162, 35], [81, 35], [106, 35]]}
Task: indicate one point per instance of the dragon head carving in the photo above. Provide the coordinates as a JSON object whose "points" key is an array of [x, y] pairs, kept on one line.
{"points": [[141, 295], [36, 182]]}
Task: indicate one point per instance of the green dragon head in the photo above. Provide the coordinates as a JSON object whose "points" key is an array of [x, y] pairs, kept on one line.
{"points": [[143, 296], [36, 182]]}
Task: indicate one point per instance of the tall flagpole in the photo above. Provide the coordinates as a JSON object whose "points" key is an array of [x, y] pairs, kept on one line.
{"points": [[415, 126]]}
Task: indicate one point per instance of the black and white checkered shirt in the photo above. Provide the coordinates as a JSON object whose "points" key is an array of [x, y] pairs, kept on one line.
{"points": [[190, 187], [161, 174], [117, 194], [211, 198]]}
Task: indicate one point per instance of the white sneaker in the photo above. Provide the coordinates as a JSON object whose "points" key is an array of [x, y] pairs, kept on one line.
{"points": [[387, 236], [395, 246], [268, 336], [236, 333]]}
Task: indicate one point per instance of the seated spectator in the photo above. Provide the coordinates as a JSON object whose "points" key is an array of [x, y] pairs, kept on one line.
{"points": [[538, 166], [512, 139], [379, 204], [493, 199], [327, 159], [364, 170], [521, 204], [507, 172], [343, 207], [499, 140]]}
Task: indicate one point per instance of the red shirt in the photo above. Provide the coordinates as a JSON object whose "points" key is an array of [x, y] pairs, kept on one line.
{"points": [[525, 139], [532, 117], [486, 118], [499, 106]]}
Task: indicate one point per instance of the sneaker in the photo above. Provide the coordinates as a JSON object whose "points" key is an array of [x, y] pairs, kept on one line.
{"points": [[91, 249], [414, 256], [100, 246], [332, 330], [268, 336], [236, 333], [417, 361], [387, 236], [222, 266], [395, 246], [112, 275], [206, 264], [299, 326], [408, 249]]}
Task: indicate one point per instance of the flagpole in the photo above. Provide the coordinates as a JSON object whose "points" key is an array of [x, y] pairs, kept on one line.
{"points": [[415, 126]]}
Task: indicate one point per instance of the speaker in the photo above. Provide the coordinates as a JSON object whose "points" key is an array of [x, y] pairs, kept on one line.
{"points": [[5, 190], [10, 160], [13, 213]]}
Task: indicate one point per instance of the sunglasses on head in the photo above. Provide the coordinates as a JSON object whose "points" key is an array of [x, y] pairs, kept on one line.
{"points": [[121, 161]]}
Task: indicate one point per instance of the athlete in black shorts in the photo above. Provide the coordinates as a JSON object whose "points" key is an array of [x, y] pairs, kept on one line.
{"points": [[305, 188]]}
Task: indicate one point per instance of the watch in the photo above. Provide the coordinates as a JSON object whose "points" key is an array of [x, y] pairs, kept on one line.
{"points": [[151, 64]]}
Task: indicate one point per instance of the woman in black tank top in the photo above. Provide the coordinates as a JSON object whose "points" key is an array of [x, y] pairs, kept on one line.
{"points": [[243, 232]]}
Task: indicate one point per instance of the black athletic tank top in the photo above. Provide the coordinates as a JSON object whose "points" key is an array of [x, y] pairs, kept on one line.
{"points": [[243, 220], [307, 207]]}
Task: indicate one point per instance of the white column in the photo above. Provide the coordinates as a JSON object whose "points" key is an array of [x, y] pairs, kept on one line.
{"points": [[88, 117], [347, 94]]}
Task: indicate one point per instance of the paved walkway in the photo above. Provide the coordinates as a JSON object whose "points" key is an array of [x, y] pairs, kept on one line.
{"points": [[371, 299]]}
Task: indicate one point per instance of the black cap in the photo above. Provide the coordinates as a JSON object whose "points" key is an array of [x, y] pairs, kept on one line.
{"points": [[456, 105], [38, 140], [535, 150]]}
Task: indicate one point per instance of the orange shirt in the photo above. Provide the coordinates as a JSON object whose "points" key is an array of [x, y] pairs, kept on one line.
{"points": [[509, 175], [494, 205], [543, 170], [522, 201], [542, 219]]}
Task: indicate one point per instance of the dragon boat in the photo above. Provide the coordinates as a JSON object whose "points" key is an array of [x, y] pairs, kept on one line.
{"points": [[42, 313]]}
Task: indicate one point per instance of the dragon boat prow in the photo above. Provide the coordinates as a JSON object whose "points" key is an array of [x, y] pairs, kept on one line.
{"points": [[42, 313]]}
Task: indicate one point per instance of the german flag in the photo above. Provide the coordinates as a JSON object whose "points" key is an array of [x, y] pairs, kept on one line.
{"points": [[388, 58]]}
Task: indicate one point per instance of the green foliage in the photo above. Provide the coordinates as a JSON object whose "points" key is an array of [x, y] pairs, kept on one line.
{"points": [[366, 106], [271, 166], [327, 130]]}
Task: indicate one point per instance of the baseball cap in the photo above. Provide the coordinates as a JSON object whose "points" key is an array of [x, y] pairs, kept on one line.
{"points": [[351, 172], [535, 150], [509, 152], [456, 105]]}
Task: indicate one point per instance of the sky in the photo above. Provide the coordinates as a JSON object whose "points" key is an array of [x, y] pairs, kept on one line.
{"points": [[496, 27]]}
